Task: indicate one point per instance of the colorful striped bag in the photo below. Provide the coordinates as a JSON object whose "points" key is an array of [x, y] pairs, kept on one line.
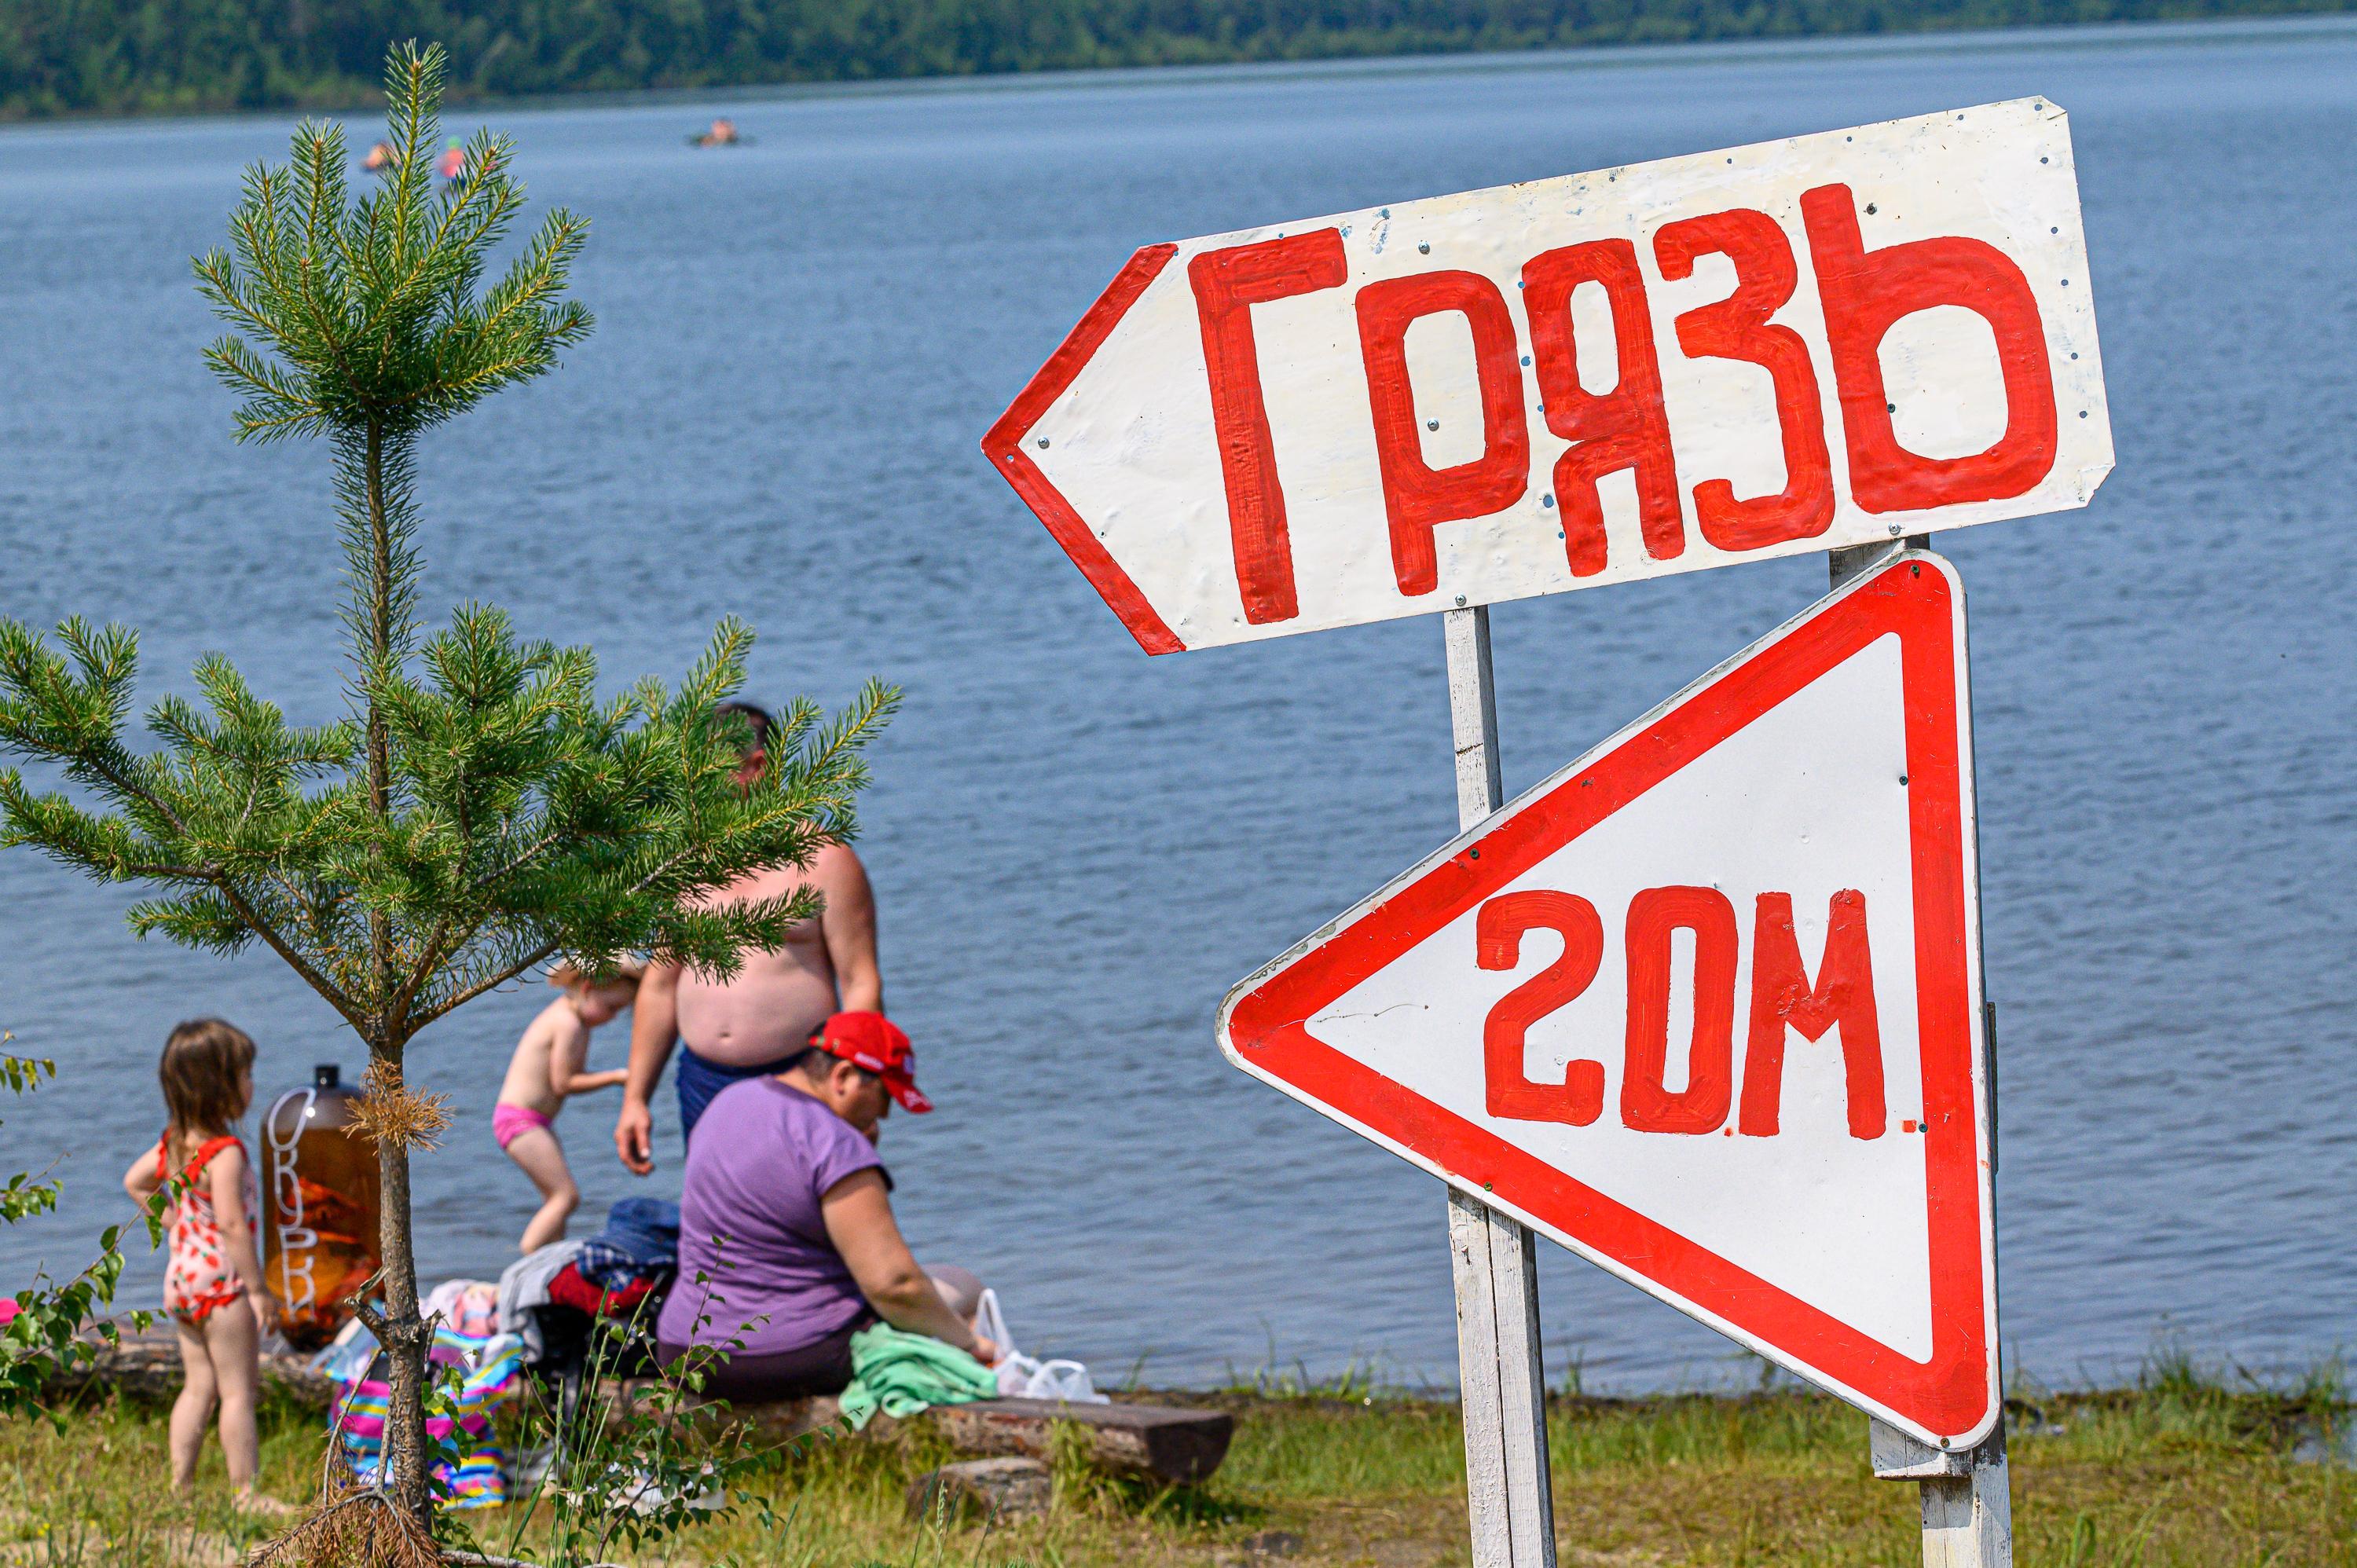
{"points": [[471, 1471]]}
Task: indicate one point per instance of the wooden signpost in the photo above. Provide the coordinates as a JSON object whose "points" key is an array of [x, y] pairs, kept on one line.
{"points": [[1705, 1007]]}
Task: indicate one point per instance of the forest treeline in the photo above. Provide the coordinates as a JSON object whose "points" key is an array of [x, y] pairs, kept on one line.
{"points": [[183, 55]]}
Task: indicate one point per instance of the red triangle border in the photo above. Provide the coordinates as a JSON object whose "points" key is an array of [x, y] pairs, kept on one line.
{"points": [[1953, 1394]]}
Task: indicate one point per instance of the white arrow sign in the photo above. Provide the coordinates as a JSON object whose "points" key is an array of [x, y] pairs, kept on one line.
{"points": [[1796, 346]]}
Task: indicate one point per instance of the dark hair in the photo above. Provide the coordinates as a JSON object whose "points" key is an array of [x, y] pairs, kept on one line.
{"points": [[202, 1062], [817, 1062], [755, 719]]}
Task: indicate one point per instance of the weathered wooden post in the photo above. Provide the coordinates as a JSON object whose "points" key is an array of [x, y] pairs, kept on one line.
{"points": [[1500, 1372], [1967, 1494]]}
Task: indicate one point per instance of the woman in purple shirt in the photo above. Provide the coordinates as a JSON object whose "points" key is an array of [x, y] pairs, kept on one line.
{"points": [[788, 1246]]}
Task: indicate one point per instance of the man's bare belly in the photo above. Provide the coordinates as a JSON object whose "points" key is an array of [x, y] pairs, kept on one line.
{"points": [[766, 1014]]}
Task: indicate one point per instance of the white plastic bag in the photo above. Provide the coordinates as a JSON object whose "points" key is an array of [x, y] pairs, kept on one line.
{"points": [[1013, 1367], [991, 1324], [1060, 1380], [1022, 1377]]}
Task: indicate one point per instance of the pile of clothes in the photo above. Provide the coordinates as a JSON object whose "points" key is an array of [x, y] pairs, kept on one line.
{"points": [[485, 1336], [546, 1297], [631, 1259]]}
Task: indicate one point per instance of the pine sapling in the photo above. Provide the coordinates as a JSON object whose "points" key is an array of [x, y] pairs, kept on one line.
{"points": [[478, 810]]}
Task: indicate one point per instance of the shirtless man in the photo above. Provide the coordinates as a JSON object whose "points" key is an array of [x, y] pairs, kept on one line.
{"points": [[746, 1027]]}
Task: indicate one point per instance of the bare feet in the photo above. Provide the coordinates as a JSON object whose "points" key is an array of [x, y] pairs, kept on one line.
{"points": [[264, 1504]]}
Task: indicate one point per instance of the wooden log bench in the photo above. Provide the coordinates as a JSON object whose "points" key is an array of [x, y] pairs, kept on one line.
{"points": [[1150, 1442], [1153, 1441], [147, 1366]]}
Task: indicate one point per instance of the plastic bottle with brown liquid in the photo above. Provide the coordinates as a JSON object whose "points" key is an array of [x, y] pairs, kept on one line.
{"points": [[319, 1208]]}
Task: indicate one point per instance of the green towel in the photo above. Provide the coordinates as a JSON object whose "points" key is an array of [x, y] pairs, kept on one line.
{"points": [[901, 1374]]}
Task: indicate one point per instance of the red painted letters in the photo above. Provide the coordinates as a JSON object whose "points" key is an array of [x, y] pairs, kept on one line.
{"points": [[1738, 327], [1498, 944], [1228, 284], [1624, 428], [1647, 1105], [1782, 996], [1865, 292], [1417, 496]]}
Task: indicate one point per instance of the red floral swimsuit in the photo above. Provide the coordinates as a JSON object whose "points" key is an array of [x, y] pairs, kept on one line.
{"points": [[199, 1281]]}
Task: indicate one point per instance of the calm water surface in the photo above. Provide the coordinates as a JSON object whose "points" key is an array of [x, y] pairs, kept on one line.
{"points": [[1078, 849]]}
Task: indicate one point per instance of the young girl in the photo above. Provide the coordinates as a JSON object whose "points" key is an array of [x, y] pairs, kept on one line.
{"points": [[546, 1069], [212, 1283]]}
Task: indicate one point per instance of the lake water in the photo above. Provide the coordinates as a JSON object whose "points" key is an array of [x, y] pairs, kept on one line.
{"points": [[1079, 849]]}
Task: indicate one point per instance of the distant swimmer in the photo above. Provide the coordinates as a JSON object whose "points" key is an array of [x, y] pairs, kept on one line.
{"points": [[722, 134], [379, 159], [452, 164]]}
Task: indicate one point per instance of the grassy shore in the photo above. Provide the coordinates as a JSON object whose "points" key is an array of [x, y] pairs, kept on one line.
{"points": [[2177, 1471]]}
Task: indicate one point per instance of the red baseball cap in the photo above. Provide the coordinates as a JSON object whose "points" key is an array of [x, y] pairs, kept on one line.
{"points": [[872, 1041]]}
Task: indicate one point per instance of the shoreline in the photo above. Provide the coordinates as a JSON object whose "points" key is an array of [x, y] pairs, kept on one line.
{"points": [[1991, 39], [146, 1366]]}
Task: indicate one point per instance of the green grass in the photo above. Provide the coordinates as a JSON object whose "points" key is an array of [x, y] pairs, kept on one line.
{"points": [[2180, 1471]]}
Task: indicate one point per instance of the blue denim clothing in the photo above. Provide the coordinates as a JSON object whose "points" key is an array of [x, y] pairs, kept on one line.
{"points": [[640, 1239]]}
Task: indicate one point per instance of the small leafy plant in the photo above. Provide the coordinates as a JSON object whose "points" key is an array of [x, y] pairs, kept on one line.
{"points": [[45, 1335]]}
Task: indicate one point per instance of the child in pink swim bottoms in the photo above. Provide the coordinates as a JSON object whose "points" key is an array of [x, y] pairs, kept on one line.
{"points": [[508, 1121], [546, 1070]]}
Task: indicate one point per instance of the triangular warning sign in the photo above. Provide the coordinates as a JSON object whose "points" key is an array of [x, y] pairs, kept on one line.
{"points": [[1705, 1008]]}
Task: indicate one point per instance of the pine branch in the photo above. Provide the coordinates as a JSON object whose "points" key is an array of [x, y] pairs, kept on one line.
{"points": [[319, 164], [328, 991], [539, 273], [839, 745], [376, 510], [253, 228], [276, 407], [217, 281], [490, 981], [475, 214], [413, 85]]}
